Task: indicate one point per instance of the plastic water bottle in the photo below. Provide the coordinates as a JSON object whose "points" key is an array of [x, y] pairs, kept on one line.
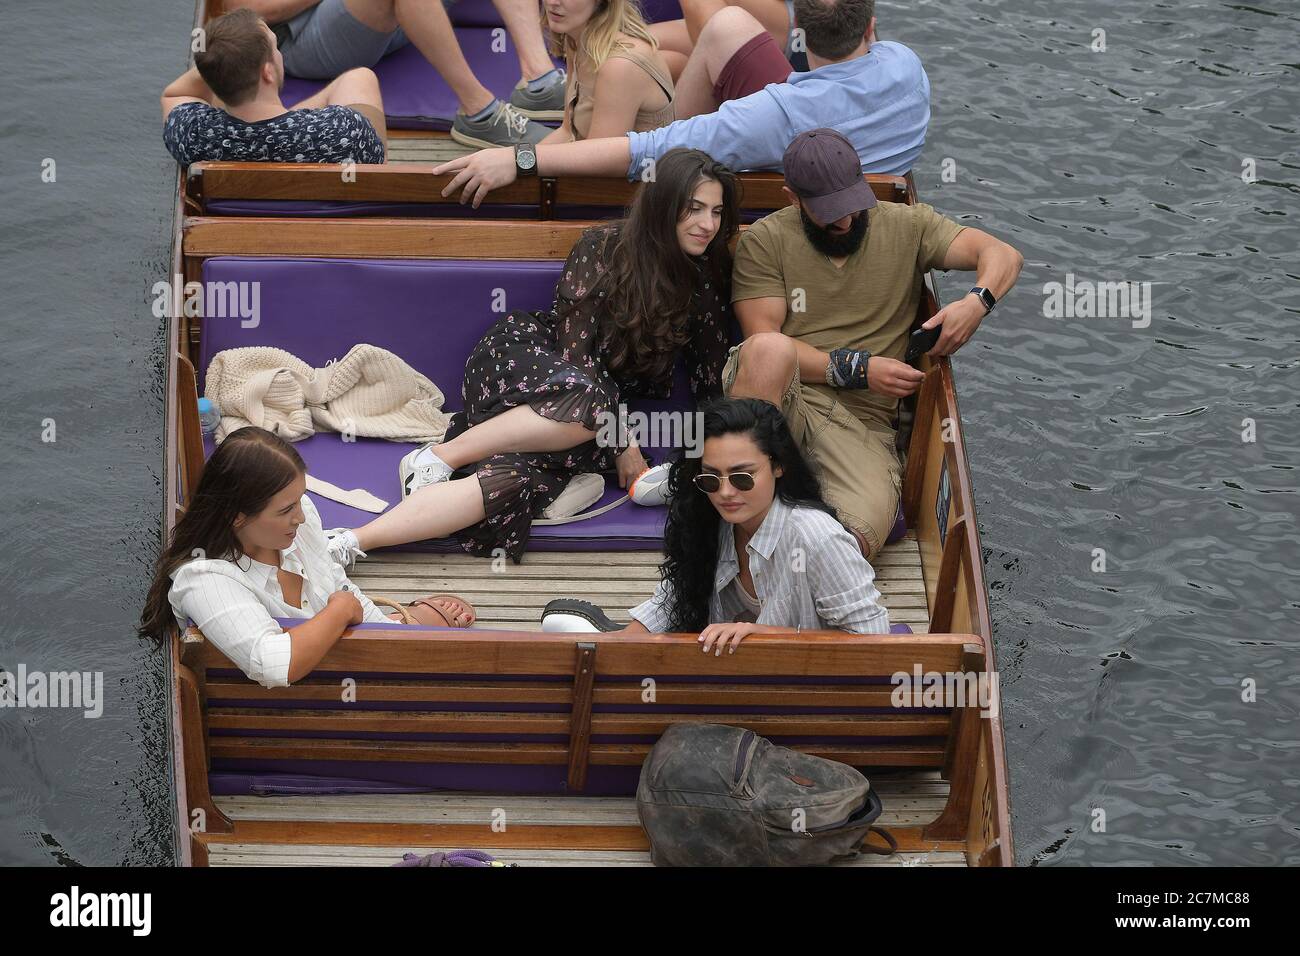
{"points": [[209, 415]]}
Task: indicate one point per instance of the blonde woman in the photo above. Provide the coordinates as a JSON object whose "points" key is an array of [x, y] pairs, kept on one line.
{"points": [[618, 81]]}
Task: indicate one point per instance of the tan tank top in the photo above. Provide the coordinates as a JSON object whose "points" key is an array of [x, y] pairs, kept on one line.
{"points": [[582, 85]]}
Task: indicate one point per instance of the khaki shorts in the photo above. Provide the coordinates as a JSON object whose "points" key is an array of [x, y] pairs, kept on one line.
{"points": [[859, 468]]}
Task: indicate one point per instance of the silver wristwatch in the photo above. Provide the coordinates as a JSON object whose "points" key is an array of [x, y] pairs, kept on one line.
{"points": [[830, 373]]}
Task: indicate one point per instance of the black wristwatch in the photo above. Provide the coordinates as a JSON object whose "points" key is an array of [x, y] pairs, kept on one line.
{"points": [[986, 297], [526, 159]]}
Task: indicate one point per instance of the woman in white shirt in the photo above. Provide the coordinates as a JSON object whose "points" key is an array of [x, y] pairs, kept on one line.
{"points": [[250, 549], [750, 545]]}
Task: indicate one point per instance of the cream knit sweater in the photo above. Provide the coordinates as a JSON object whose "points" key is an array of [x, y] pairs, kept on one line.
{"points": [[370, 393]]}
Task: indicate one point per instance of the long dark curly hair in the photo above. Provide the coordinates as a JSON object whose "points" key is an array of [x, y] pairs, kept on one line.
{"points": [[649, 282], [691, 532]]}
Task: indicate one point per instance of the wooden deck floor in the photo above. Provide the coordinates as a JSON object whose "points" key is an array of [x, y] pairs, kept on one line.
{"points": [[375, 830], [510, 596], [425, 148]]}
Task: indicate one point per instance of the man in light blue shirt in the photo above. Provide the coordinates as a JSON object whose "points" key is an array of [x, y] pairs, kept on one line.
{"points": [[877, 95]]}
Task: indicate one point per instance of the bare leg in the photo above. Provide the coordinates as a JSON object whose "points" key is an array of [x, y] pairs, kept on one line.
{"points": [[727, 31], [679, 36], [358, 86], [672, 37], [766, 363], [771, 14], [516, 429], [427, 25], [433, 511], [696, 13], [525, 27]]}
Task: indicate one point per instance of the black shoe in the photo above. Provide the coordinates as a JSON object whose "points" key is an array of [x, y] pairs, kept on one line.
{"points": [[569, 616]]}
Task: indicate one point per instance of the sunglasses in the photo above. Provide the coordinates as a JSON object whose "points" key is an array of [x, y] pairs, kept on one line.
{"points": [[710, 484]]}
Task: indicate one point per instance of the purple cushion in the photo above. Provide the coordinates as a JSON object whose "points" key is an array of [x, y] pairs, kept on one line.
{"points": [[482, 13], [317, 309], [896, 533], [657, 11], [473, 13], [415, 96], [430, 312]]}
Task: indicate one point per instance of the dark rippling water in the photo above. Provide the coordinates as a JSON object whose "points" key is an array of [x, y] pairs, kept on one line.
{"points": [[1122, 690]]}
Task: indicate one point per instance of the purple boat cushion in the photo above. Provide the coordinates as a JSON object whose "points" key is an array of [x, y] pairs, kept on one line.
{"points": [[415, 95], [338, 209], [317, 309], [657, 11], [483, 13]]}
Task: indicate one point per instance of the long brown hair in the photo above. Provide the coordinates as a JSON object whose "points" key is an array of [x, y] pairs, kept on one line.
{"points": [[649, 281], [246, 471], [601, 35]]}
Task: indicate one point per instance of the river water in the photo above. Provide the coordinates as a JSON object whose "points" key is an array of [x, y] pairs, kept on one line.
{"points": [[1135, 474]]}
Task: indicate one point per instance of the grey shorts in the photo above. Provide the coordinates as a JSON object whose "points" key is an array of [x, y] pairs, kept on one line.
{"points": [[326, 40]]}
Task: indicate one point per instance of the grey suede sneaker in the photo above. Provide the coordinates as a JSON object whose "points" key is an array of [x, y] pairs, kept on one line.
{"points": [[505, 126], [546, 104]]}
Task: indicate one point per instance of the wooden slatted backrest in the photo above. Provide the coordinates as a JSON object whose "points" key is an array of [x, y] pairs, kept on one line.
{"points": [[416, 183], [331, 182], [579, 701]]}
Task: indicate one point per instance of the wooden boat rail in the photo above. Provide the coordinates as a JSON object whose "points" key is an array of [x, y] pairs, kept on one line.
{"points": [[416, 183]]}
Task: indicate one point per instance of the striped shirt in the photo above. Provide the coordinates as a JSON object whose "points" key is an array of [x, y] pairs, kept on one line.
{"points": [[808, 572], [235, 603]]}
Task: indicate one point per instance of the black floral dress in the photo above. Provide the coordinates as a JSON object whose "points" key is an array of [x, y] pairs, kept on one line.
{"points": [[553, 361]]}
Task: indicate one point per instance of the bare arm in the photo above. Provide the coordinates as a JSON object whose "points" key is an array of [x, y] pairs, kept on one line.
{"points": [[767, 314], [996, 265], [477, 174], [189, 87], [312, 639], [886, 376]]}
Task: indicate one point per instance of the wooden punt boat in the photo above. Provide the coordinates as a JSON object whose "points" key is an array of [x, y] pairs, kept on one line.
{"points": [[562, 718]]}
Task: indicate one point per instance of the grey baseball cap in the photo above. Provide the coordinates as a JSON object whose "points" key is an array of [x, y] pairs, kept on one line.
{"points": [[823, 170]]}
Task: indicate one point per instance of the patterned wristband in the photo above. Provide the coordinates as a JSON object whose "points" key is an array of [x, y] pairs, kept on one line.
{"points": [[849, 367]]}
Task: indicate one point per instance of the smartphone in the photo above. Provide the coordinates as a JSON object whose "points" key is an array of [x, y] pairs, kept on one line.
{"points": [[922, 341]]}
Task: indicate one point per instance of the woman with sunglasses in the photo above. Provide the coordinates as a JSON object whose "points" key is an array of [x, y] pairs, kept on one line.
{"points": [[750, 545]]}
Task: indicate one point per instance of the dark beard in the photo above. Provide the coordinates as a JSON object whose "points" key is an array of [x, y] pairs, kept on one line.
{"points": [[835, 246]]}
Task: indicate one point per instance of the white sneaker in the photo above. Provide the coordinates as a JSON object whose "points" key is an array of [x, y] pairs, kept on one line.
{"points": [[422, 467], [571, 616], [343, 546], [650, 488]]}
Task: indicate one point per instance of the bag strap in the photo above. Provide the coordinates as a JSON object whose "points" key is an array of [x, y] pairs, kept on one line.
{"points": [[583, 516], [863, 847]]}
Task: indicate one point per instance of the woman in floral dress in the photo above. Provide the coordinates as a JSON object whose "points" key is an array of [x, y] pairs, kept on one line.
{"points": [[538, 387]]}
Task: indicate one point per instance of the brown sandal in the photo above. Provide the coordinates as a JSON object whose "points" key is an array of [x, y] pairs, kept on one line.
{"points": [[424, 611]]}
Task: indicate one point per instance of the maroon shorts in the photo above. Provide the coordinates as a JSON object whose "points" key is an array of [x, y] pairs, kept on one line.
{"points": [[756, 64]]}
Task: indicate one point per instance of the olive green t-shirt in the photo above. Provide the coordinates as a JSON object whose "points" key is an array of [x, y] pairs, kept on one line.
{"points": [[868, 303]]}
